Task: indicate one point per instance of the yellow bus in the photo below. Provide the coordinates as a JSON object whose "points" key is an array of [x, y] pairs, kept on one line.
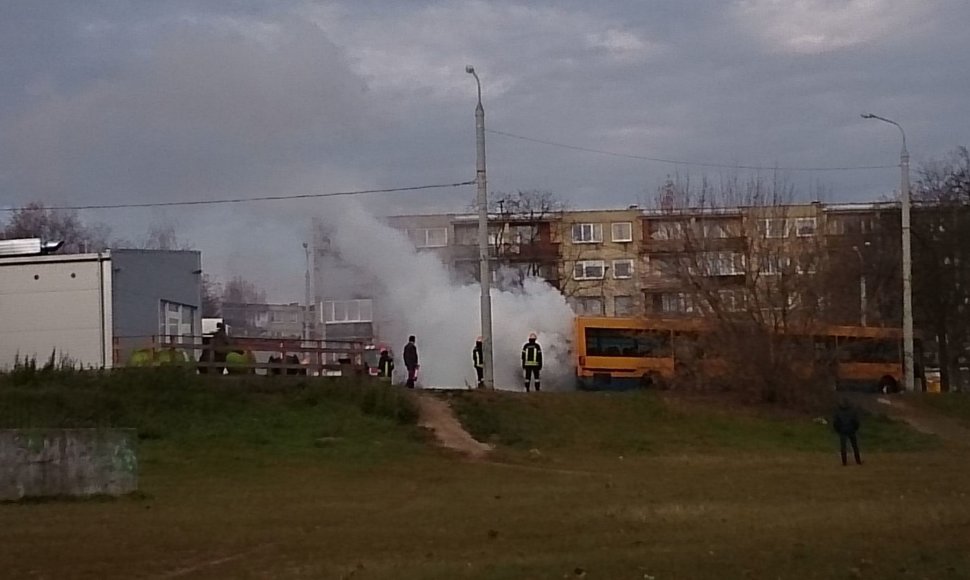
{"points": [[625, 353]]}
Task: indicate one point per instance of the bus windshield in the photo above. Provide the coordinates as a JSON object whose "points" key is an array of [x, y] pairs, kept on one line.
{"points": [[627, 342], [868, 350]]}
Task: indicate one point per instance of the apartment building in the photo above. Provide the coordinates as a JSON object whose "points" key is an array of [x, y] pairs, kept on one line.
{"points": [[732, 252], [519, 245], [599, 261], [632, 261], [265, 320]]}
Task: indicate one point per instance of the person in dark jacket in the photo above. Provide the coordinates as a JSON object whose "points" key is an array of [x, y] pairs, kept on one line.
{"points": [[532, 361], [411, 361], [846, 424], [385, 365], [478, 360]]}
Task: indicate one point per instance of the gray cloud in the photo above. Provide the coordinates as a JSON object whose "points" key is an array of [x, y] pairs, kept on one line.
{"points": [[188, 100]]}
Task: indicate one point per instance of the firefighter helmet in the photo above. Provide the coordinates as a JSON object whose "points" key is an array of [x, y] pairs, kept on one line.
{"points": [[532, 336]]}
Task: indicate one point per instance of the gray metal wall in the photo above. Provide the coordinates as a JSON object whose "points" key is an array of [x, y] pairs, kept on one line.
{"points": [[141, 280]]}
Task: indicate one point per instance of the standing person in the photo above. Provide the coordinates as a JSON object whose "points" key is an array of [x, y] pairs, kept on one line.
{"points": [[531, 361], [411, 361], [846, 424], [478, 360], [385, 366]]}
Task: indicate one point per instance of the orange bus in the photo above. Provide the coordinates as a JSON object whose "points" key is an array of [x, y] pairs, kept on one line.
{"points": [[624, 353]]}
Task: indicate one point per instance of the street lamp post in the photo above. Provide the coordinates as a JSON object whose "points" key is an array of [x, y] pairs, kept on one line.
{"points": [[306, 296], [908, 357], [863, 307], [485, 271]]}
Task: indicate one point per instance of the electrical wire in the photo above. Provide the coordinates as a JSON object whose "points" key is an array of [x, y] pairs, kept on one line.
{"points": [[681, 162], [247, 199]]}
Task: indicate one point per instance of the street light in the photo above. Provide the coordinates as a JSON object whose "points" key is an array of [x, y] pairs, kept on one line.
{"points": [[485, 271], [908, 358], [306, 296], [863, 308]]}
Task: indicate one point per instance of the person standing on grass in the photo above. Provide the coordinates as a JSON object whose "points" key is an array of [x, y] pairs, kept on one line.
{"points": [[411, 361], [478, 361], [385, 366], [532, 361], [846, 424]]}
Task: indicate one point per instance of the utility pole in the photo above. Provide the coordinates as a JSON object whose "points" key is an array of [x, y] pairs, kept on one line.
{"points": [[863, 307], [306, 295], [484, 269], [905, 202]]}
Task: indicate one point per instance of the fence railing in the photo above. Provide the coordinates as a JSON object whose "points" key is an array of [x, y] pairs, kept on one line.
{"points": [[243, 355]]}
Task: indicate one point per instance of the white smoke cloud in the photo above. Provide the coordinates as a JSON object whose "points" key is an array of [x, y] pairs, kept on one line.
{"points": [[418, 297]]}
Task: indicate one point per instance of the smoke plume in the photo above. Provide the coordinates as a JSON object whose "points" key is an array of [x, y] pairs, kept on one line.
{"points": [[416, 296]]}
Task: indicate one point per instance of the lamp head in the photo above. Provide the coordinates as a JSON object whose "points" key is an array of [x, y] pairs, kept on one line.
{"points": [[469, 69], [868, 116]]}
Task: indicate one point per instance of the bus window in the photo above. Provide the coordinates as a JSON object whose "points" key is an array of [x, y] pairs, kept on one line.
{"points": [[627, 342], [868, 350]]}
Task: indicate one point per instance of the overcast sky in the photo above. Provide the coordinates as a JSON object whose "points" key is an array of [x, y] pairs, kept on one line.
{"points": [[115, 101]]}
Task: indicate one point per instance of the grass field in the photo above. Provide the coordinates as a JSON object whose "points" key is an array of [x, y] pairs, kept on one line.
{"points": [[280, 480]]}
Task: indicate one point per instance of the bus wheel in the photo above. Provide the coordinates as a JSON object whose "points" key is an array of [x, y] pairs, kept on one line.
{"points": [[888, 385]]}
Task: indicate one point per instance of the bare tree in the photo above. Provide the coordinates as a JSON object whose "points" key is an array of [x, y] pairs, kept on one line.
{"points": [[35, 220], [750, 264], [240, 290], [212, 292], [521, 232], [941, 264], [164, 237]]}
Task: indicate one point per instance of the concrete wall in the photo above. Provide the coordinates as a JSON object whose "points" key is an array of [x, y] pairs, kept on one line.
{"points": [[56, 304], [67, 462], [141, 280]]}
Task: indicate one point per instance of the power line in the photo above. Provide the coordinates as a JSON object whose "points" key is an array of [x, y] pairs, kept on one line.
{"points": [[249, 199], [681, 162]]}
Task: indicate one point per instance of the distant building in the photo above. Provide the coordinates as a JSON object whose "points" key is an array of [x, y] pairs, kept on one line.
{"points": [[265, 320], [94, 309]]}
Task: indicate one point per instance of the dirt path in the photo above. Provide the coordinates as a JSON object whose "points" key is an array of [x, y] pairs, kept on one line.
{"points": [[923, 420], [436, 414]]}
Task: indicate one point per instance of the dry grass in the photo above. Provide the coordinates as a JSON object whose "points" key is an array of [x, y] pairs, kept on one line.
{"points": [[696, 510]]}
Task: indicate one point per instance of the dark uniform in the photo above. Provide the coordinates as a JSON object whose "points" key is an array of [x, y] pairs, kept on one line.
{"points": [[385, 365], [846, 424], [411, 361], [531, 362], [478, 359]]}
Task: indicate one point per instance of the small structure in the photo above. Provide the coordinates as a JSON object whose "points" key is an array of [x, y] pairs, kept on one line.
{"points": [[93, 309]]}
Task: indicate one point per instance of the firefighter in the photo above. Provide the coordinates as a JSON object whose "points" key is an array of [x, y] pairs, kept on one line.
{"points": [[411, 361], [532, 361], [385, 366], [478, 360]]}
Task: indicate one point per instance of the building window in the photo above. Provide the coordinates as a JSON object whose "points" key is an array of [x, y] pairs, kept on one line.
{"points": [[675, 303], [718, 228], [176, 322], [622, 305], [773, 265], [731, 300], [587, 233], [622, 269], [661, 265], [622, 232], [805, 227], [721, 263], [774, 227], [344, 311], [587, 306], [589, 270], [429, 237], [667, 231]]}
